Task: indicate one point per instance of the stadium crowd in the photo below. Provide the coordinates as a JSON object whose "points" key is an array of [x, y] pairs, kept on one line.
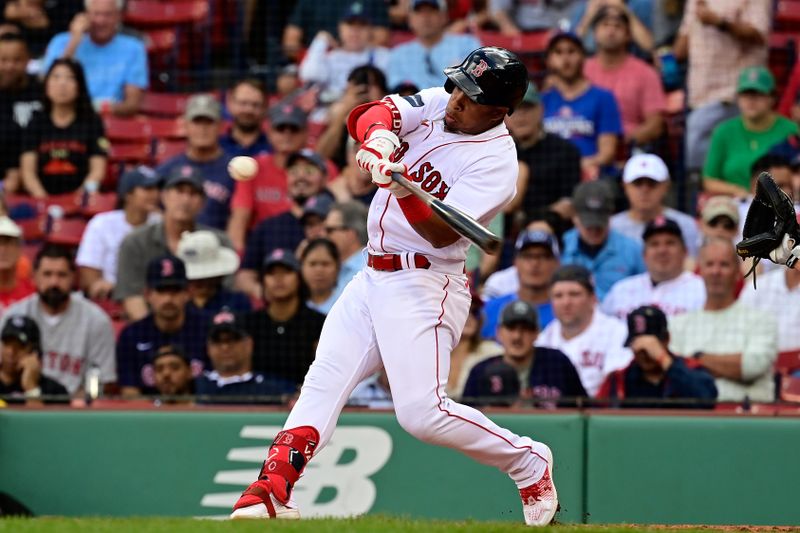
{"points": [[132, 264]]}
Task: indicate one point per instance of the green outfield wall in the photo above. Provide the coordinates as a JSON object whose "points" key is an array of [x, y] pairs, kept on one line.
{"points": [[663, 469]]}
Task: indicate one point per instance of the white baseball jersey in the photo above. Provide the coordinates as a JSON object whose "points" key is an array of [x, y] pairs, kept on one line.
{"points": [[408, 321], [596, 352], [473, 173], [685, 293]]}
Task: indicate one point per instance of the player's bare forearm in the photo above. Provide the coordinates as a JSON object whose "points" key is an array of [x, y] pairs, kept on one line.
{"points": [[436, 231], [728, 366]]}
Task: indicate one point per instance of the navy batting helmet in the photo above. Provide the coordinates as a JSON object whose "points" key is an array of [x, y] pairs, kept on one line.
{"points": [[490, 76]]}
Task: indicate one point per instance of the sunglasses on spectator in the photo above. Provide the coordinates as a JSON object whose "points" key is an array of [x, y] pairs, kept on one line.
{"points": [[334, 229], [286, 128], [723, 221]]}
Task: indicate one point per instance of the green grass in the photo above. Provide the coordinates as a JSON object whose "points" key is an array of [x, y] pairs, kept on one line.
{"points": [[371, 524]]}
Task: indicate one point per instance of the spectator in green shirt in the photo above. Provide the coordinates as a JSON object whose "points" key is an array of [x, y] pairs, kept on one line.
{"points": [[738, 142]]}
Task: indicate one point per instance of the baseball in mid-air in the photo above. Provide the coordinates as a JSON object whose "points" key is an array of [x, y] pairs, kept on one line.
{"points": [[242, 168]]}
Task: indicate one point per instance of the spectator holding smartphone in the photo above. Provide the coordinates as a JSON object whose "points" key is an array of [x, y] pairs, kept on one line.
{"points": [[364, 84], [328, 62]]}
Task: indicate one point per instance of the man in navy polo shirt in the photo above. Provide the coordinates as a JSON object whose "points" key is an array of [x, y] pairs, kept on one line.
{"points": [[230, 348], [543, 374], [169, 322]]}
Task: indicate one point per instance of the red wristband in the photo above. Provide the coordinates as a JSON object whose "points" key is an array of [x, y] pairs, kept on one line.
{"points": [[414, 209]]}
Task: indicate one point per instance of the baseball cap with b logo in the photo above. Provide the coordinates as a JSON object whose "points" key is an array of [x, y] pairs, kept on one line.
{"points": [[23, 329], [166, 271], [226, 322], [647, 320]]}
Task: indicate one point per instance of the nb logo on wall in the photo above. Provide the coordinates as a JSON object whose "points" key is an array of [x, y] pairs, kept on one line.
{"points": [[335, 483]]}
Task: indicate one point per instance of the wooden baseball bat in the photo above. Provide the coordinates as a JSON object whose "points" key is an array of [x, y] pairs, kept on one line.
{"points": [[462, 223]]}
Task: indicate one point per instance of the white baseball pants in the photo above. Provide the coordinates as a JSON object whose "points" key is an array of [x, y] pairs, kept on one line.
{"points": [[408, 321]]}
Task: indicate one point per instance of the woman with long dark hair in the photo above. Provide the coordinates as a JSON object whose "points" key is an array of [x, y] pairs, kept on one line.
{"points": [[64, 148], [320, 269]]}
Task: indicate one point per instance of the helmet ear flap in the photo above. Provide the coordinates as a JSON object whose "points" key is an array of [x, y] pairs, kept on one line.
{"points": [[449, 86]]}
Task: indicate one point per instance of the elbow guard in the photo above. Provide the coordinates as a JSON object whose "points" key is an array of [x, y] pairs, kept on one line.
{"points": [[366, 117]]}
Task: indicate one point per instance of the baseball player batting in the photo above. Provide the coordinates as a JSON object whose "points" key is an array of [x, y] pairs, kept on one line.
{"points": [[406, 309]]}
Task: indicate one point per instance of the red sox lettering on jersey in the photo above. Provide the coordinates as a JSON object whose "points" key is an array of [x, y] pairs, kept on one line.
{"points": [[595, 352], [470, 172]]}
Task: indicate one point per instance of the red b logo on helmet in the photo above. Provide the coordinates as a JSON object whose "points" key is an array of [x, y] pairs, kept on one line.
{"points": [[167, 268], [479, 69]]}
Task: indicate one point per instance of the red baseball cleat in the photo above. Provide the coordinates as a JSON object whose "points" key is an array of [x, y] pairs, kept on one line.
{"points": [[262, 500], [540, 500]]}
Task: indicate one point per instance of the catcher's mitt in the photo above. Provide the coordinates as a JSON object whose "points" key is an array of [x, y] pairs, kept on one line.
{"points": [[770, 229]]}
